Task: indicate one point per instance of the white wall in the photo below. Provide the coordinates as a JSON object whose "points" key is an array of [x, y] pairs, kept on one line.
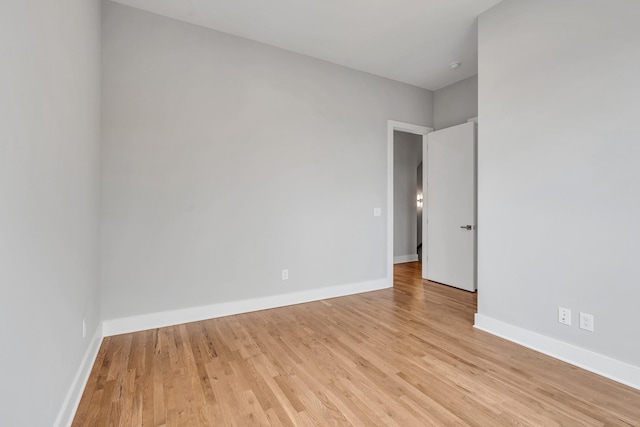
{"points": [[407, 154], [456, 103], [559, 173], [49, 134], [226, 160]]}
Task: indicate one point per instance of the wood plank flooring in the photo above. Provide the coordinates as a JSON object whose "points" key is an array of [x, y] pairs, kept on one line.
{"points": [[406, 356]]}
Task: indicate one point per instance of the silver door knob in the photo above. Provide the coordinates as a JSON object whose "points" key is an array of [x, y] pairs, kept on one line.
{"points": [[467, 227]]}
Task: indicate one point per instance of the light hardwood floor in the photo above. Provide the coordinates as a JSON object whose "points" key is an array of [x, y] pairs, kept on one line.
{"points": [[406, 356]]}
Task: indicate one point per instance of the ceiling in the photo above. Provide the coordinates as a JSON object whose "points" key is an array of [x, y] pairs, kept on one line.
{"points": [[411, 41]]}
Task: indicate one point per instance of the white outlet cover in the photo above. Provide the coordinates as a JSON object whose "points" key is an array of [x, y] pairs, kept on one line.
{"points": [[564, 316], [377, 211], [586, 321]]}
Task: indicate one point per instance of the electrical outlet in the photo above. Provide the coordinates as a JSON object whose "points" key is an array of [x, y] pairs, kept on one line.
{"points": [[564, 316], [84, 328], [285, 274], [377, 211], [586, 321]]}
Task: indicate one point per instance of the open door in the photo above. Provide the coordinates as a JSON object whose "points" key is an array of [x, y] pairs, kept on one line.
{"points": [[451, 206]]}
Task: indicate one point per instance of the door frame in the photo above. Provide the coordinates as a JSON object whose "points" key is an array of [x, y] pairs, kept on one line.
{"points": [[392, 126]]}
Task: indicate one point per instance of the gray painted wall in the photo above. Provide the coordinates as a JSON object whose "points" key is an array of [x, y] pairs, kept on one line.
{"points": [[456, 103], [49, 105], [407, 154], [558, 169], [226, 161]]}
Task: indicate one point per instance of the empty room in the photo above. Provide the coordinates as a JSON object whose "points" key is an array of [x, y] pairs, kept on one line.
{"points": [[312, 213]]}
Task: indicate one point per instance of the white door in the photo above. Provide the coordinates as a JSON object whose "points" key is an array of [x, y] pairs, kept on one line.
{"points": [[451, 206]]}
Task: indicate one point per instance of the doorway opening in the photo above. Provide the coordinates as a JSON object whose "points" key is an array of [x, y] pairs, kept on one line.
{"points": [[450, 198], [412, 129], [407, 197]]}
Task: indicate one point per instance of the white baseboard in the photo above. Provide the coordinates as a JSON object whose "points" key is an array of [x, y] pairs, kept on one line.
{"points": [[597, 363], [175, 317], [72, 399], [405, 258]]}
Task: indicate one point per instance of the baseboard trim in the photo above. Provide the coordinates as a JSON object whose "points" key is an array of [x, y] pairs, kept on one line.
{"points": [[605, 366], [175, 317], [72, 399], [405, 258]]}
